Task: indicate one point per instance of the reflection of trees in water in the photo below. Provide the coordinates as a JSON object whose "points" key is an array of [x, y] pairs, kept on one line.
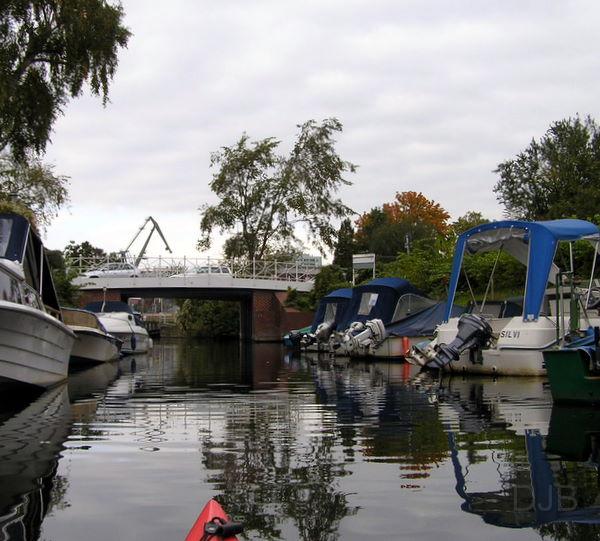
{"points": [[394, 422], [279, 469]]}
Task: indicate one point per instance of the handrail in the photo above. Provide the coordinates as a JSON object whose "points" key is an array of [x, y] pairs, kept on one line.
{"points": [[163, 267]]}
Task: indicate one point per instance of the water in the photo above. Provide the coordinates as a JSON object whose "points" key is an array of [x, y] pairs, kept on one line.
{"points": [[297, 448]]}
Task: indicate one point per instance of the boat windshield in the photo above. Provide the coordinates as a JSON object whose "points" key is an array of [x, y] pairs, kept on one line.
{"points": [[13, 236]]}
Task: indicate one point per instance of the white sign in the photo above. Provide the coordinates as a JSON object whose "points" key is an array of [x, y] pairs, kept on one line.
{"points": [[363, 261]]}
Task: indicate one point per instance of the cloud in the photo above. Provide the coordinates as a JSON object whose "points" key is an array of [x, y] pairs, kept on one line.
{"points": [[433, 95]]}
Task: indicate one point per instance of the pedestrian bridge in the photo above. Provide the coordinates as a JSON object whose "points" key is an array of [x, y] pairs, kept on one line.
{"points": [[260, 286]]}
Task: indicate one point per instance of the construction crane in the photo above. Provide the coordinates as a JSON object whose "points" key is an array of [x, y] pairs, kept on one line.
{"points": [[155, 227]]}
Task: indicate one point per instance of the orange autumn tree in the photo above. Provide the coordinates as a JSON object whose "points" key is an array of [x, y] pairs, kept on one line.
{"points": [[389, 229], [414, 208]]}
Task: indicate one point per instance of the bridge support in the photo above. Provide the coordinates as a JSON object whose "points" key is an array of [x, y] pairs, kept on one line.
{"points": [[263, 314]]}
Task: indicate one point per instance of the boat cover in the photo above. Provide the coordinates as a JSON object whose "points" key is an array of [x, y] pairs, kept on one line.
{"points": [[532, 243], [20, 242], [108, 306], [424, 323], [380, 305], [339, 297]]}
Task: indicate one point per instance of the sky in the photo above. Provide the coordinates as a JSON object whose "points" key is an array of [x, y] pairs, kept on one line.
{"points": [[433, 95]]}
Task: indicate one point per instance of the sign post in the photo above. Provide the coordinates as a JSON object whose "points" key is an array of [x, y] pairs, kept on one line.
{"points": [[361, 262]]}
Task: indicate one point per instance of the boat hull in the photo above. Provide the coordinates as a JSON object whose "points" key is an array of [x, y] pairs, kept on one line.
{"points": [[34, 347], [135, 338], [570, 377], [92, 345]]}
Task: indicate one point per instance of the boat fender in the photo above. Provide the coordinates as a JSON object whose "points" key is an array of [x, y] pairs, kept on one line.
{"points": [[133, 342], [405, 346], [218, 527]]}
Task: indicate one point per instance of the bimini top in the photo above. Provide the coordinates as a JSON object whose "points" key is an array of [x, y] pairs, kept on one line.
{"points": [[376, 299], [331, 307], [532, 243]]}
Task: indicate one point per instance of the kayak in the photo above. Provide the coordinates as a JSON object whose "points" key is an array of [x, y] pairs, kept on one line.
{"points": [[213, 524]]}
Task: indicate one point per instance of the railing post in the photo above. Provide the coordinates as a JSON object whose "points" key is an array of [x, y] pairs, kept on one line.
{"points": [[253, 268], [296, 270], [276, 270], [184, 265], [159, 266], [208, 264]]}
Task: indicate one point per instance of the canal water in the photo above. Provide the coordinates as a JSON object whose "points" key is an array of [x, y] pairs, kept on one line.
{"points": [[296, 448]]}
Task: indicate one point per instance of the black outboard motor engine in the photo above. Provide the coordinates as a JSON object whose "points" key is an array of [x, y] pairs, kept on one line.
{"points": [[473, 332]]}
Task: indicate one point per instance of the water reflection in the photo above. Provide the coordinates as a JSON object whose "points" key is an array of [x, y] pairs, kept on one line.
{"points": [[30, 441], [299, 448]]}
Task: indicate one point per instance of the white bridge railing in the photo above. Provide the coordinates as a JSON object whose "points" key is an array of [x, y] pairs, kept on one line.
{"points": [[164, 267]]}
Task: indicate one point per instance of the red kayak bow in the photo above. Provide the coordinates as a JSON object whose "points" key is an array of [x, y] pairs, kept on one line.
{"points": [[213, 524]]}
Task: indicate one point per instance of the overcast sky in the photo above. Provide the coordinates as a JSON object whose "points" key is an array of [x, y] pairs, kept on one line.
{"points": [[432, 96]]}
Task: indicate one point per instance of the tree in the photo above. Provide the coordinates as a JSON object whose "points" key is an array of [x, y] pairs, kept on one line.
{"points": [[344, 247], [415, 209], [33, 186], [84, 250], [468, 221], [48, 50], [209, 318], [555, 177], [66, 291], [395, 226], [265, 195]]}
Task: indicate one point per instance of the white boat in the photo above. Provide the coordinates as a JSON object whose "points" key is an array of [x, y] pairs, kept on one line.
{"points": [[508, 338], [34, 344], [93, 343], [119, 320]]}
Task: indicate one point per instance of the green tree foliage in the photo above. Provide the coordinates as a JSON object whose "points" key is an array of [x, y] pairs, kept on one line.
{"points": [[48, 50], [34, 186], [344, 246], [83, 250], [555, 177], [468, 221], [265, 195], [329, 278], [208, 318], [427, 266], [66, 291]]}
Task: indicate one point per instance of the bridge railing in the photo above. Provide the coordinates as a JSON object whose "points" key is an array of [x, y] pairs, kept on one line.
{"points": [[164, 267]]}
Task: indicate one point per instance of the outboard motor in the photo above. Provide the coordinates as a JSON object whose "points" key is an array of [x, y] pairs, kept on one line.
{"points": [[363, 337], [473, 332]]}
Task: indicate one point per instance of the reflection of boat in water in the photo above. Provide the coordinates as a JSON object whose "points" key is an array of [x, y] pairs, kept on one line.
{"points": [[472, 403], [537, 481], [34, 344], [31, 441]]}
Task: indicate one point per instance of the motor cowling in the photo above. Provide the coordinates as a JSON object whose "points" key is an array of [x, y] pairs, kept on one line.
{"points": [[363, 337], [474, 332]]}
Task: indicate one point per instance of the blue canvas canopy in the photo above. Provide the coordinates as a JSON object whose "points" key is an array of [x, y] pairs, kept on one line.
{"points": [[376, 299], [340, 298], [108, 306], [532, 243], [423, 323]]}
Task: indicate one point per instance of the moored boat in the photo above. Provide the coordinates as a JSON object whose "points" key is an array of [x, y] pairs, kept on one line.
{"points": [[35, 344], [328, 315], [509, 337], [574, 373], [93, 343], [384, 318], [120, 321]]}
